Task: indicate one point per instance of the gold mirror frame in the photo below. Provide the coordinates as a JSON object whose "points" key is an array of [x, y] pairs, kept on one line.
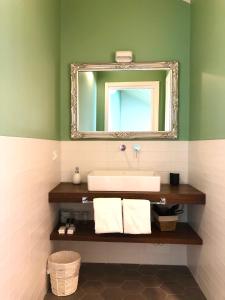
{"points": [[171, 66]]}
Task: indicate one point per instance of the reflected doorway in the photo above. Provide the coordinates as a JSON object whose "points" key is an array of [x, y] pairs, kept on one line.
{"points": [[132, 106]]}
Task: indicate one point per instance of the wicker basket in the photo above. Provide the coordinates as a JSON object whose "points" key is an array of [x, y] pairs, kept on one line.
{"points": [[63, 267], [165, 223]]}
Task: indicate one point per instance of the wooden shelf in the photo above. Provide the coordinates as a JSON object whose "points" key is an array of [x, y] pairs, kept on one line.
{"points": [[183, 194], [184, 235]]}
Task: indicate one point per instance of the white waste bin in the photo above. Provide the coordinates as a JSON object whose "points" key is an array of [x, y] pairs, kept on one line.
{"points": [[63, 267]]}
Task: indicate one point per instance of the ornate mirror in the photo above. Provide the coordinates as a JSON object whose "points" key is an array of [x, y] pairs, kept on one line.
{"points": [[124, 100]]}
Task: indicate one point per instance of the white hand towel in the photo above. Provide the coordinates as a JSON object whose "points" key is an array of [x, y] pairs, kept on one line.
{"points": [[108, 215], [136, 216]]}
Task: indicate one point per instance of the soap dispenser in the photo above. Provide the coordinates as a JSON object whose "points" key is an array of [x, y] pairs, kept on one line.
{"points": [[76, 176]]}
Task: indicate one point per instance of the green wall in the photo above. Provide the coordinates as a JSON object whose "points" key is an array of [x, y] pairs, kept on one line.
{"points": [[153, 30], [127, 76], [207, 108], [29, 66], [91, 31], [87, 104]]}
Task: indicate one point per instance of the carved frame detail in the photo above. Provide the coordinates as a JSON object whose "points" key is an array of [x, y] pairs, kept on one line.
{"points": [[171, 66]]}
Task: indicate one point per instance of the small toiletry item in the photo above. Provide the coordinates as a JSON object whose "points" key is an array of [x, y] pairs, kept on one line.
{"points": [[62, 230], [174, 178], [76, 176], [71, 229]]}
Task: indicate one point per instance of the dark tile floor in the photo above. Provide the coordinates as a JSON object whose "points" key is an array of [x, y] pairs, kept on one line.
{"points": [[134, 282]]}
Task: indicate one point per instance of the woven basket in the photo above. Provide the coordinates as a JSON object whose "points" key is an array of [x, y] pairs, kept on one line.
{"points": [[165, 223], [63, 267]]}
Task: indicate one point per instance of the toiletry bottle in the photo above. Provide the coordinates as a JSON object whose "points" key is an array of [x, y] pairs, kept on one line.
{"points": [[71, 230], [76, 176]]}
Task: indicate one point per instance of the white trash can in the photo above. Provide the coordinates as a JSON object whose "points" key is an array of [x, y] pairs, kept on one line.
{"points": [[63, 267]]}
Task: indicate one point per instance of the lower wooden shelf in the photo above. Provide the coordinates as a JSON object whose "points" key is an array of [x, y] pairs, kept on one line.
{"points": [[184, 235]]}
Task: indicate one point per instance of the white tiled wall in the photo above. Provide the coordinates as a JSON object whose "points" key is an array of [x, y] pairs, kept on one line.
{"points": [[27, 173], [161, 156], [128, 253], [207, 172]]}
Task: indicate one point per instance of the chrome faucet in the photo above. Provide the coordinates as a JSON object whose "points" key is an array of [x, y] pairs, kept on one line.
{"points": [[123, 147], [136, 148]]}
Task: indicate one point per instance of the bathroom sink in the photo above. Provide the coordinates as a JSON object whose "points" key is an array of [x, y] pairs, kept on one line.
{"points": [[123, 181]]}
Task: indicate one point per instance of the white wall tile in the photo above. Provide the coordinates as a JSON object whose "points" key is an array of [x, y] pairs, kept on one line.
{"points": [[27, 173], [207, 173]]}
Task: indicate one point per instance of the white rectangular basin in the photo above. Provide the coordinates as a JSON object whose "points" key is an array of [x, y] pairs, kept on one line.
{"points": [[137, 181]]}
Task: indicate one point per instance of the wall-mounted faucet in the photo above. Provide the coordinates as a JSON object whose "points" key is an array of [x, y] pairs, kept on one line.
{"points": [[137, 149], [123, 147]]}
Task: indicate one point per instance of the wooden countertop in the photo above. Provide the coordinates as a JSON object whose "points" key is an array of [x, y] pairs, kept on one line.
{"points": [[183, 194]]}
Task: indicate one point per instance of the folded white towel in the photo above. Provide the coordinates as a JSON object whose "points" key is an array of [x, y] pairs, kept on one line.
{"points": [[136, 216], [108, 215]]}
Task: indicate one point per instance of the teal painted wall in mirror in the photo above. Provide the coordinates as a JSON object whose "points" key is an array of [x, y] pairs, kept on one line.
{"points": [[88, 101]]}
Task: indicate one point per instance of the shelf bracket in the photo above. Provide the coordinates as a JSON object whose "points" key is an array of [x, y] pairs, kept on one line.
{"points": [[84, 200], [161, 202]]}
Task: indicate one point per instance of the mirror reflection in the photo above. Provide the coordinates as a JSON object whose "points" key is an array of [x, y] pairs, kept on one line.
{"points": [[127, 101], [124, 100]]}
